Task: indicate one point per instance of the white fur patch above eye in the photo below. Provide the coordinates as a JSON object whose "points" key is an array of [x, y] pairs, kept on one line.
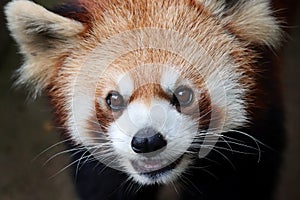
{"points": [[126, 85], [168, 79]]}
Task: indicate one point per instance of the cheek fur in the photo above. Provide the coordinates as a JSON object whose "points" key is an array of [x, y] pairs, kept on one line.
{"points": [[105, 116]]}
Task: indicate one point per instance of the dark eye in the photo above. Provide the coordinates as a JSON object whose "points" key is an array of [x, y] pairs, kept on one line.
{"points": [[183, 96], [115, 101]]}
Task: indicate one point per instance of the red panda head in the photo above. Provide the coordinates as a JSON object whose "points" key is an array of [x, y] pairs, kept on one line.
{"points": [[144, 85]]}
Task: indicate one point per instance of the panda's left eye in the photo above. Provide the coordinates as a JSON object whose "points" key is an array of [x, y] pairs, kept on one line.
{"points": [[115, 101], [183, 96]]}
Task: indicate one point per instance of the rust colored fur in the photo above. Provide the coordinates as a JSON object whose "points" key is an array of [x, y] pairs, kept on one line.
{"points": [[81, 51]]}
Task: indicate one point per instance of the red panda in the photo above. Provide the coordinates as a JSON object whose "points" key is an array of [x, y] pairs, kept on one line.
{"points": [[156, 95]]}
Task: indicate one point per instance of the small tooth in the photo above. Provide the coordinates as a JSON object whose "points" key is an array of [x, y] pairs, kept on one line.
{"points": [[140, 163], [165, 162], [148, 166]]}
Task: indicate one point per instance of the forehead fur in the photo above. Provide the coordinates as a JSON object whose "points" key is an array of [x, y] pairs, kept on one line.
{"points": [[249, 20], [220, 30], [45, 40], [188, 18], [55, 53], [143, 67]]}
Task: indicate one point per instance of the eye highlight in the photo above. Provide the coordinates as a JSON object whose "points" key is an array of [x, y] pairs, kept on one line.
{"points": [[183, 96], [115, 101]]}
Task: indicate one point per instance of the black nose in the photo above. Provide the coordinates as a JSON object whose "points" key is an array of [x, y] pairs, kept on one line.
{"points": [[148, 140]]}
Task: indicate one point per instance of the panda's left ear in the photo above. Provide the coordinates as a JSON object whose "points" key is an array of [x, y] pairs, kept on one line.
{"points": [[30, 23], [43, 38], [253, 21]]}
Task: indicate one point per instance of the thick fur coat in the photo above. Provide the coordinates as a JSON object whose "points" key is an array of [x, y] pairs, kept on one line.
{"points": [[160, 99]]}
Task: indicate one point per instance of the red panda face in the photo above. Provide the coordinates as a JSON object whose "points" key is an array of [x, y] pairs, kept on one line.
{"points": [[153, 109], [145, 86], [151, 116]]}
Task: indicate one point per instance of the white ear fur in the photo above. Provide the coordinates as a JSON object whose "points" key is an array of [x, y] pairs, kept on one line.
{"points": [[43, 36], [251, 20], [216, 7]]}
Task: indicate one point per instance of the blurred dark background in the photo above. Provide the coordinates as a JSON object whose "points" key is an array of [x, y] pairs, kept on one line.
{"points": [[26, 128]]}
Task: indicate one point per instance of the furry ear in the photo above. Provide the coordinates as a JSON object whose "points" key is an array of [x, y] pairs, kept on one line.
{"points": [[252, 20], [43, 38], [216, 7]]}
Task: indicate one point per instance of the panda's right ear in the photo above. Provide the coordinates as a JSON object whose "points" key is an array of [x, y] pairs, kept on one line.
{"points": [[43, 37]]}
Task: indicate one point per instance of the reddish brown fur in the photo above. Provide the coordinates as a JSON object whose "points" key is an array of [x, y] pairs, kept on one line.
{"points": [[228, 47], [147, 92], [142, 13]]}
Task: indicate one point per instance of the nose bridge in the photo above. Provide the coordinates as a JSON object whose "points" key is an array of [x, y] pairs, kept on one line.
{"points": [[140, 115], [147, 92], [147, 132]]}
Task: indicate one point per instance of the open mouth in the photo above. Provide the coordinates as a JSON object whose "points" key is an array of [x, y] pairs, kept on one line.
{"points": [[154, 168]]}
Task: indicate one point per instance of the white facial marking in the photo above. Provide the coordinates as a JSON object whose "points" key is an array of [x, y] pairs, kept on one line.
{"points": [[168, 79], [178, 130], [126, 85]]}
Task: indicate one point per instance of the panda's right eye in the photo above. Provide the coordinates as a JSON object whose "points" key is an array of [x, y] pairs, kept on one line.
{"points": [[115, 101], [183, 96]]}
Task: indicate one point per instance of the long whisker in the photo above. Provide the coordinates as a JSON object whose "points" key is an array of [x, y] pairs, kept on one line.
{"points": [[65, 168], [61, 153], [213, 148], [50, 147]]}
